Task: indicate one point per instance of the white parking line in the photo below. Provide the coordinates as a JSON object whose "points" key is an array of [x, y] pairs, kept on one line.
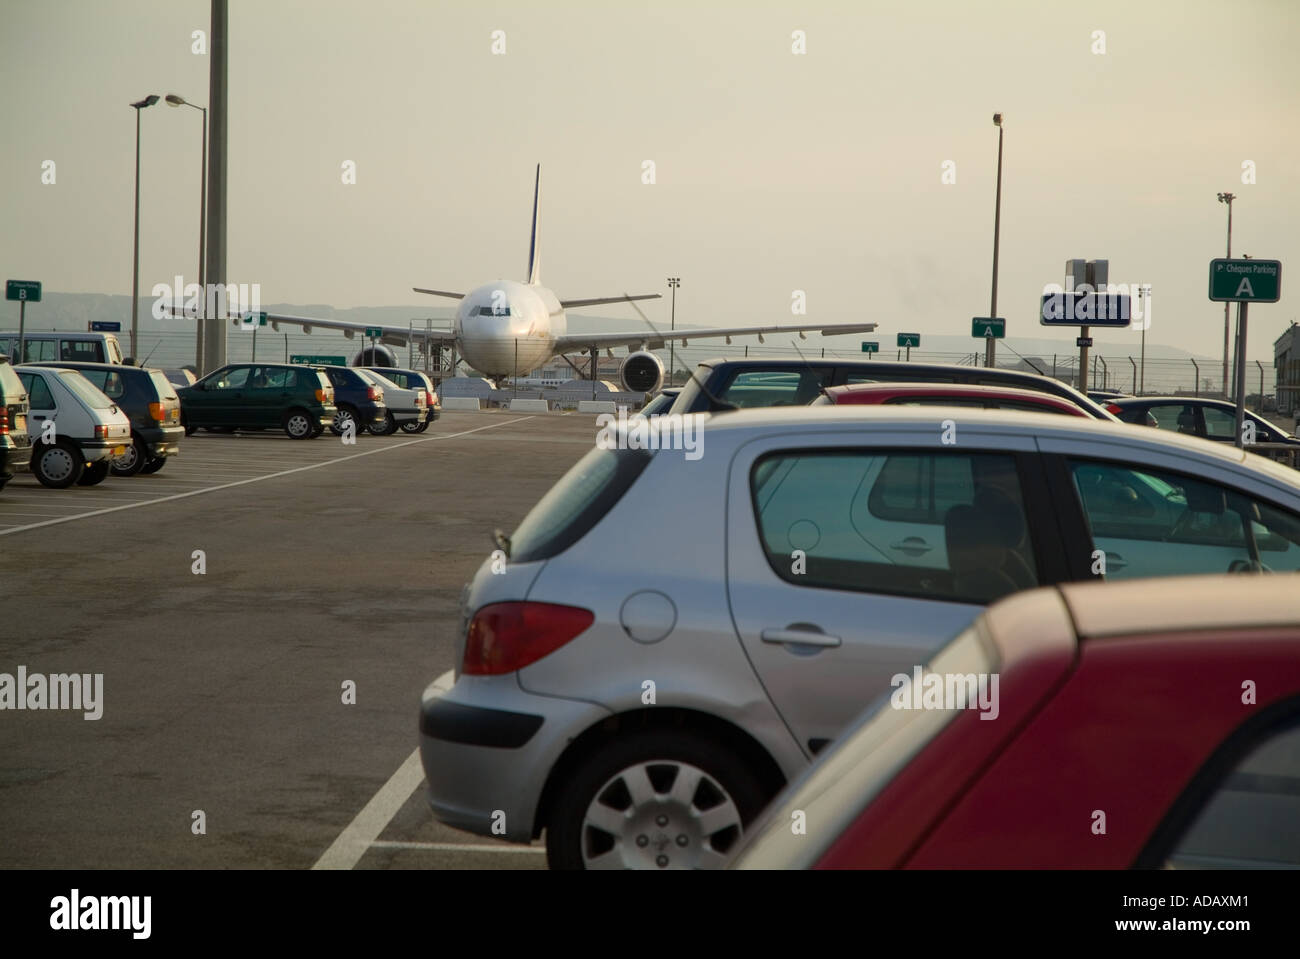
{"points": [[455, 846], [258, 479], [346, 851]]}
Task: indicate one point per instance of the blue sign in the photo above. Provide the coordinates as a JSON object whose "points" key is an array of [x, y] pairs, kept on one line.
{"points": [[1084, 308], [105, 326]]}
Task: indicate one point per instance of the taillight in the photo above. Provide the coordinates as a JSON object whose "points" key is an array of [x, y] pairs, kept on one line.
{"points": [[320, 396], [374, 394], [504, 637], [157, 412], [428, 399], [4, 421], [1113, 409], [101, 432]]}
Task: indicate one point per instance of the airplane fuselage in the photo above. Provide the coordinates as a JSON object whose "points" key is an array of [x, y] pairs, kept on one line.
{"points": [[508, 329]]}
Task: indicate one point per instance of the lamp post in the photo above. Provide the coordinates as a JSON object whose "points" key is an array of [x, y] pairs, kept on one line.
{"points": [[1145, 322], [1226, 198], [176, 101], [990, 346], [673, 282], [148, 101]]}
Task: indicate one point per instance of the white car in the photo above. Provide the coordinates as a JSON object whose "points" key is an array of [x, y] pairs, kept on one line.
{"points": [[404, 406], [75, 429]]}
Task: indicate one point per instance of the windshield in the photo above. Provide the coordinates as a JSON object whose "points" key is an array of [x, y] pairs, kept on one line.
{"points": [[85, 391]]}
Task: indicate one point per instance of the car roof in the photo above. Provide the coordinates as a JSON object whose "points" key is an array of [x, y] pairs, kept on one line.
{"points": [[762, 421], [1183, 604], [1134, 400], [89, 365], [953, 389]]}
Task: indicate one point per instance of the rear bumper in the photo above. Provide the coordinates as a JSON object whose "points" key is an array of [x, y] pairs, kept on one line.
{"points": [[163, 440], [95, 450], [15, 459]]}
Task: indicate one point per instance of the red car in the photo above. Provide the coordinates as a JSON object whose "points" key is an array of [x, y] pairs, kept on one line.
{"points": [[952, 394], [1144, 724]]}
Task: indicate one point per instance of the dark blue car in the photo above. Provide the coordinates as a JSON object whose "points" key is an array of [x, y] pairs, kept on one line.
{"points": [[357, 401]]}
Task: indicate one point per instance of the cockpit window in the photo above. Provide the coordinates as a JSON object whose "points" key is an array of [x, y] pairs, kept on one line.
{"points": [[494, 311]]}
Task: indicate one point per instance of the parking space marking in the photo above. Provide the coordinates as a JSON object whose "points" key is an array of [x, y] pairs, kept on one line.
{"points": [[455, 846], [256, 479], [346, 851]]}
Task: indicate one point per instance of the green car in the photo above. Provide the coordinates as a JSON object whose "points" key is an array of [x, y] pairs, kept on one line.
{"points": [[298, 399]]}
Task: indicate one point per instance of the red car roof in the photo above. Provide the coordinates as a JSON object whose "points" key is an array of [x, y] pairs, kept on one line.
{"points": [[877, 393]]}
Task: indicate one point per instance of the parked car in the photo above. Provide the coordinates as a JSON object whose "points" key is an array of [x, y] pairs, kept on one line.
{"points": [[89, 428], [298, 399], [661, 403], [51, 346], [1105, 396], [640, 705], [724, 384], [358, 400], [15, 445], [948, 394], [180, 377], [1146, 725], [413, 380], [1212, 419], [150, 402], [402, 406]]}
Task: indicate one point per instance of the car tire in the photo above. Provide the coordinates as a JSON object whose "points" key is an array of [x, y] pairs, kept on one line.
{"points": [[341, 417], [133, 460], [385, 427], [153, 465], [298, 425], [95, 473], [597, 793], [57, 465], [5, 478], [189, 430]]}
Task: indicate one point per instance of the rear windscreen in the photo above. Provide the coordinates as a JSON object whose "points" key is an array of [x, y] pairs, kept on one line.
{"points": [[84, 390]]}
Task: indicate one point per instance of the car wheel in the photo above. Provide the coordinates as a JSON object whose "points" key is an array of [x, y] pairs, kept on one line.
{"points": [[57, 465], [653, 800], [189, 430], [153, 465], [385, 427], [5, 478], [94, 474], [345, 415], [131, 462], [297, 424]]}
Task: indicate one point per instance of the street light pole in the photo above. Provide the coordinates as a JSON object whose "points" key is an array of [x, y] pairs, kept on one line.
{"points": [[176, 101], [1226, 198], [674, 282], [148, 101], [990, 346]]}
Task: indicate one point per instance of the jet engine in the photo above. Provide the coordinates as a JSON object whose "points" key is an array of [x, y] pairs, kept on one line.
{"points": [[642, 372], [379, 355]]}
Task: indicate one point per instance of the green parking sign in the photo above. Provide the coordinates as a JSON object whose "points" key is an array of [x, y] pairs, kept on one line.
{"points": [[909, 340], [1245, 281], [988, 326], [374, 332], [871, 346], [26, 290]]}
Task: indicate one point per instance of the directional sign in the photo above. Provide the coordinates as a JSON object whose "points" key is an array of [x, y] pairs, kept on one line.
{"points": [[909, 340], [374, 332], [871, 346], [29, 290], [314, 360], [1085, 308], [1083, 341], [105, 326], [1243, 281], [985, 326]]}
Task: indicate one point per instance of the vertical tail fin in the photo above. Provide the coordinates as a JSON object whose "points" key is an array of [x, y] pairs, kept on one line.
{"points": [[534, 258]]}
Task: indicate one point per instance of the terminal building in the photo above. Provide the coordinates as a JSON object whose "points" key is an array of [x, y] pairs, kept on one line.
{"points": [[1286, 360]]}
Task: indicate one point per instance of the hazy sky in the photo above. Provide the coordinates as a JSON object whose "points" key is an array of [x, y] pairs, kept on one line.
{"points": [[775, 172]]}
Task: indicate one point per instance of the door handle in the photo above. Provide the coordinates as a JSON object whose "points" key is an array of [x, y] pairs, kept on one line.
{"points": [[802, 637], [912, 546], [1115, 561]]}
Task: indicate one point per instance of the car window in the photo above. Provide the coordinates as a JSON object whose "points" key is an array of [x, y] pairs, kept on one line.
{"points": [[162, 386], [1219, 424], [39, 395], [943, 525], [793, 387], [109, 383], [83, 351], [39, 351], [84, 390], [269, 378], [1175, 417], [1252, 820], [1151, 523], [234, 378]]}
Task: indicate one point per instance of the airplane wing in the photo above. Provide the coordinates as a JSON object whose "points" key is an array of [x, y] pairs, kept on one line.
{"points": [[391, 335], [454, 296], [597, 300], [649, 339]]}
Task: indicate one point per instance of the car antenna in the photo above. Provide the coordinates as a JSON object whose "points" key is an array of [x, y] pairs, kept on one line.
{"points": [[145, 361], [715, 404], [821, 387]]}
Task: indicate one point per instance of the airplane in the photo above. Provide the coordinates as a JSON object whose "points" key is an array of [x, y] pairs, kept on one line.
{"points": [[507, 328]]}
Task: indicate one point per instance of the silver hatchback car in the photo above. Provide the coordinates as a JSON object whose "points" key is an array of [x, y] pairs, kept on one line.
{"points": [[667, 638]]}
